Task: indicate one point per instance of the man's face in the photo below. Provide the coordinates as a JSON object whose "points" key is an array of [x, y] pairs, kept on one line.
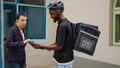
{"points": [[22, 21], [54, 15]]}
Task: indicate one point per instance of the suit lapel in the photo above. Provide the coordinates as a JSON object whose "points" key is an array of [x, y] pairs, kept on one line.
{"points": [[18, 32]]}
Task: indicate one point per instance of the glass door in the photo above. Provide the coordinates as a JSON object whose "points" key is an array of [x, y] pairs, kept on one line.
{"points": [[9, 20]]}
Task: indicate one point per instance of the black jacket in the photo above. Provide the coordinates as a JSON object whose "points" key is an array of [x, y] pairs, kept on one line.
{"points": [[15, 45]]}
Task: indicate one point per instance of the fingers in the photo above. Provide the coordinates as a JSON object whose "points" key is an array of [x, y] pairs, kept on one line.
{"points": [[36, 46], [26, 41]]}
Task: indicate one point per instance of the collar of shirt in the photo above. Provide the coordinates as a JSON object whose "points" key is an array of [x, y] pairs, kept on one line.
{"points": [[62, 20]]}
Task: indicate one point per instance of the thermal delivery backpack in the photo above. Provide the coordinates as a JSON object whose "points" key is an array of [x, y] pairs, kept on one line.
{"points": [[85, 37]]}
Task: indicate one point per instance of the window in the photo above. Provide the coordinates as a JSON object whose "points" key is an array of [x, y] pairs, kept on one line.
{"points": [[36, 12], [116, 22], [9, 17], [35, 2], [9, 0], [35, 19]]}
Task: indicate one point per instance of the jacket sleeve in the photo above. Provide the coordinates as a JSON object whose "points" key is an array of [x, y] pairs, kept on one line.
{"points": [[11, 42]]}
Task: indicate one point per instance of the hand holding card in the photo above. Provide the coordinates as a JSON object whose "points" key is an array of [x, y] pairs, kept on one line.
{"points": [[35, 45]]}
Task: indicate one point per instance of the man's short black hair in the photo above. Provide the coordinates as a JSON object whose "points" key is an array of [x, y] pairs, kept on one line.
{"points": [[20, 14]]}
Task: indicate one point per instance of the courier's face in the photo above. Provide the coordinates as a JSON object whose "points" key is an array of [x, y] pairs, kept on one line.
{"points": [[22, 21], [54, 15]]}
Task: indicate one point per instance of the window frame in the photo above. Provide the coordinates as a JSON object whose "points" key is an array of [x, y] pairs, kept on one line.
{"points": [[115, 11], [1, 21], [32, 3]]}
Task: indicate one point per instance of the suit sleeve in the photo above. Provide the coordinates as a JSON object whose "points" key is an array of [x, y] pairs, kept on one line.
{"points": [[10, 40]]}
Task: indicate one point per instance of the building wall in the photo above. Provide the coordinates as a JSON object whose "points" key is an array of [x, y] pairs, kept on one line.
{"points": [[94, 12], [37, 58]]}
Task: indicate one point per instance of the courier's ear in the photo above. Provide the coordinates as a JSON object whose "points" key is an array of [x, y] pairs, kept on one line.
{"points": [[59, 11]]}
